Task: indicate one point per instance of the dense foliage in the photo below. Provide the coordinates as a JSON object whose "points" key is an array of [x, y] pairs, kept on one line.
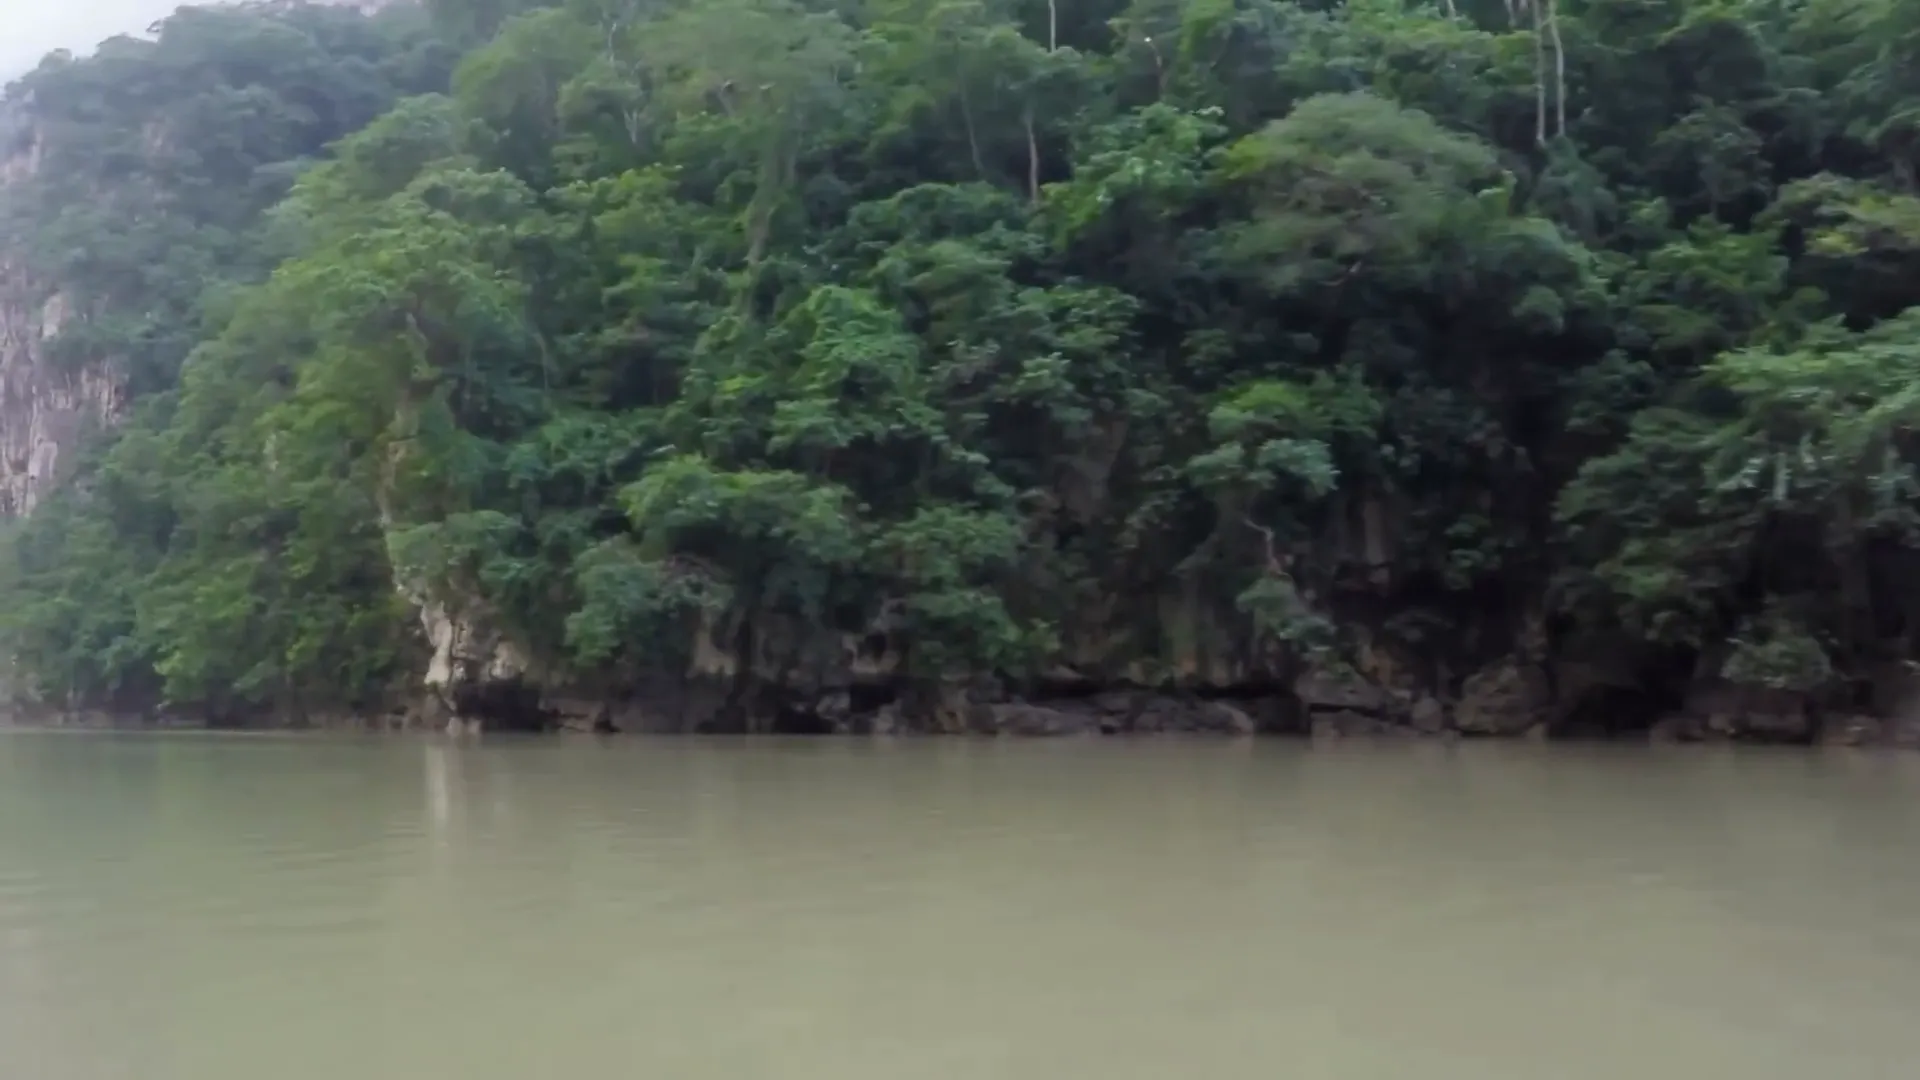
{"points": [[1004, 327]]}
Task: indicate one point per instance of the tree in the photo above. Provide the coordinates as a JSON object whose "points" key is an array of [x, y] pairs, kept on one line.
{"points": [[973, 338]]}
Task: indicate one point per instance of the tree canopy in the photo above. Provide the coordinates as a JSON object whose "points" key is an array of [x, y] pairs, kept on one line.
{"points": [[1018, 331]]}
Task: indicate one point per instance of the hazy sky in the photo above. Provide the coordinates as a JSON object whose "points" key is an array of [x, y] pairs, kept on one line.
{"points": [[29, 29]]}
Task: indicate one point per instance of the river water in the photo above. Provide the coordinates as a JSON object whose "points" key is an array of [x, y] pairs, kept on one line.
{"points": [[200, 907]]}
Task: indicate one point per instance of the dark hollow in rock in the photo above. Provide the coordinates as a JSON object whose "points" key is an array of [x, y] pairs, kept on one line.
{"points": [[868, 697], [791, 721], [1614, 712], [512, 705], [1273, 706]]}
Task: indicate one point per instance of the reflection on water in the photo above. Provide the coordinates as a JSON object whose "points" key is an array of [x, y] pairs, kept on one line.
{"points": [[230, 908]]}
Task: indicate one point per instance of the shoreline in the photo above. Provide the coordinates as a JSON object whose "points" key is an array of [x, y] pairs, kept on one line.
{"points": [[1839, 740]]}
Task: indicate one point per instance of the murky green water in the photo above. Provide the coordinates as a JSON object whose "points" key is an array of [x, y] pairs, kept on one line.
{"points": [[234, 908]]}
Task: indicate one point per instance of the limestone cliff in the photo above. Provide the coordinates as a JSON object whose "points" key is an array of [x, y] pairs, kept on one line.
{"points": [[48, 404], [46, 408], [1186, 662], [1168, 468]]}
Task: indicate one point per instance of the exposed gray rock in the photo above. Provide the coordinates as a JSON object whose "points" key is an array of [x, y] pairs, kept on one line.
{"points": [[1855, 729], [1428, 716], [1507, 697], [45, 409], [1345, 723], [1718, 710], [1220, 718], [1017, 718], [1347, 690]]}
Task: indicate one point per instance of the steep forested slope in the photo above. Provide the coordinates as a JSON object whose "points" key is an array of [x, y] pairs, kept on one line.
{"points": [[134, 207], [1468, 366]]}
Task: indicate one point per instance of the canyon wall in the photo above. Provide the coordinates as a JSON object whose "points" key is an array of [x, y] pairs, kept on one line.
{"points": [[1094, 392], [46, 408]]}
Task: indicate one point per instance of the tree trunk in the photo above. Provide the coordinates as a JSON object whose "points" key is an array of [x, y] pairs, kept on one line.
{"points": [[1559, 68], [1033, 157], [759, 226], [778, 173], [973, 137], [1539, 77]]}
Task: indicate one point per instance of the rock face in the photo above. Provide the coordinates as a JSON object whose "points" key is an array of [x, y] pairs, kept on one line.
{"points": [[46, 409], [780, 678], [473, 672], [1718, 710], [471, 668], [792, 679], [1504, 698]]}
